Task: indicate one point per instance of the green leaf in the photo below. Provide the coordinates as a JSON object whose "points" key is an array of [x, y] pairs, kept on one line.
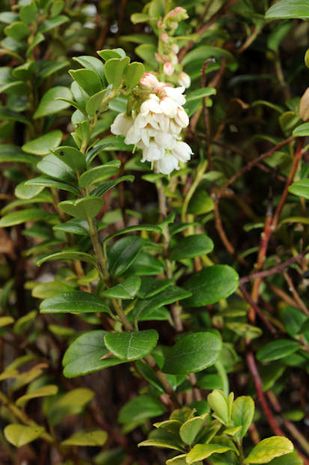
{"points": [[17, 30], [139, 409], [123, 253], [139, 18], [28, 13], [211, 285], [275, 350], [27, 191], [302, 130], [191, 428], [125, 290], [45, 181], [49, 390], [114, 70], [293, 319], [70, 403], [87, 207], [131, 345], [73, 302], [88, 80], [287, 459], [23, 216], [85, 355], [71, 157], [191, 246], [133, 74], [12, 154], [221, 404], [97, 174], [300, 188], [268, 449], [55, 168], [111, 53], [68, 255], [94, 438], [143, 309], [203, 451], [5, 321], [19, 435], [288, 9], [242, 414], [106, 186], [162, 438], [90, 62], [199, 94], [192, 353], [44, 144], [50, 104]]}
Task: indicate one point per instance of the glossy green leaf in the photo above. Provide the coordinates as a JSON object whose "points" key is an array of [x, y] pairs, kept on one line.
{"points": [[131, 345], [123, 253], [20, 435], [51, 103], [192, 353], [23, 216], [44, 144], [86, 355], [97, 174], [268, 449], [68, 255], [87, 207], [288, 9], [191, 428], [203, 451], [124, 290], [88, 80], [49, 390], [71, 157], [133, 74], [210, 285], [275, 350], [192, 246], [94, 438], [164, 439], [27, 191], [56, 168], [73, 302], [114, 70], [242, 414], [300, 188]]}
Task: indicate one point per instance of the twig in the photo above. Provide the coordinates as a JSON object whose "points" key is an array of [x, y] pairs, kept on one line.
{"points": [[260, 395], [251, 164], [257, 310], [295, 294], [271, 271]]}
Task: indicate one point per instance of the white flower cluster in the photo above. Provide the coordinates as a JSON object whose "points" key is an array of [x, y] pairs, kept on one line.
{"points": [[156, 128]]}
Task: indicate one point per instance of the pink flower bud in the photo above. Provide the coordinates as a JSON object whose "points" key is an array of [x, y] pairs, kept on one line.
{"points": [[149, 80], [164, 37], [168, 68], [184, 80]]}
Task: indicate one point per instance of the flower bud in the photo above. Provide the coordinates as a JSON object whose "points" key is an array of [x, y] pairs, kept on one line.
{"points": [[149, 80], [184, 80], [304, 106], [177, 14], [168, 68]]}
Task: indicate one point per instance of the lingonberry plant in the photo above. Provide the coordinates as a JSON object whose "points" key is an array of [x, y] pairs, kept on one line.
{"points": [[154, 234]]}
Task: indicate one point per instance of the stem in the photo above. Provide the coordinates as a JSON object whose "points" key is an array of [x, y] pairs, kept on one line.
{"points": [[199, 176], [23, 417]]}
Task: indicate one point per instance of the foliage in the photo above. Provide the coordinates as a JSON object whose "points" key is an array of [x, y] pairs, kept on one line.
{"points": [[150, 265]]}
